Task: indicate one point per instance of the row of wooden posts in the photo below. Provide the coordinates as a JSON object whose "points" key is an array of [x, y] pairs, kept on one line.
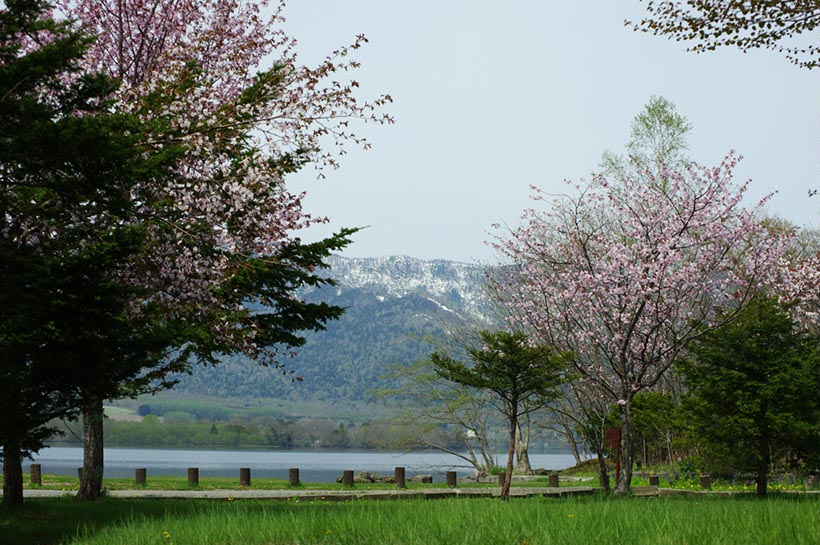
{"points": [[141, 474]]}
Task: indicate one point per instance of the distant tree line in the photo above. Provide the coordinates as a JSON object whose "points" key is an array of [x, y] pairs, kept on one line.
{"points": [[181, 429]]}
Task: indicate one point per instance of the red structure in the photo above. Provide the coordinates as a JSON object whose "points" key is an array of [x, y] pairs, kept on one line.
{"points": [[612, 441]]}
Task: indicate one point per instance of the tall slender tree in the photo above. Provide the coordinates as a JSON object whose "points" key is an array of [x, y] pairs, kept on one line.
{"points": [[523, 377]]}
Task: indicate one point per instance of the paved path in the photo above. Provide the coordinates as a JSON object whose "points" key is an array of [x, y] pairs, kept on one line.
{"points": [[343, 495], [326, 494]]}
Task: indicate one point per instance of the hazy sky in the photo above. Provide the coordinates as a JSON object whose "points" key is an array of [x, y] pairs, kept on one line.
{"points": [[491, 97]]}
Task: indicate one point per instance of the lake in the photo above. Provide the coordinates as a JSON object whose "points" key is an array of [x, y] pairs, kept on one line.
{"points": [[314, 465]]}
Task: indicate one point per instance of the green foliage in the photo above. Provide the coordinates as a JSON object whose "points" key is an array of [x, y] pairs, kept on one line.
{"points": [[658, 138], [68, 168], [658, 422], [659, 134], [179, 416], [753, 394], [201, 409], [179, 430], [506, 364], [523, 377], [278, 318]]}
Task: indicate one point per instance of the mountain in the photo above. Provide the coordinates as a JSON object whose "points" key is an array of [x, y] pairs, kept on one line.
{"points": [[393, 305]]}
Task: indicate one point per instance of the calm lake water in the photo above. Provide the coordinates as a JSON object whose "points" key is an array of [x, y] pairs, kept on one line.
{"points": [[314, 465]]}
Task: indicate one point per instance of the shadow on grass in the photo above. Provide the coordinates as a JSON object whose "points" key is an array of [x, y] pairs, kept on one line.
{"points": [[47, 521]]}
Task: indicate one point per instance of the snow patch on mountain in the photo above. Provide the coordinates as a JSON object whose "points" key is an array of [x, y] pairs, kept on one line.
{"points": [[453, 286]]}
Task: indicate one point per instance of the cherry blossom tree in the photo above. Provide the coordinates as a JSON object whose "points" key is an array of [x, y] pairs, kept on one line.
{"points": [[225, 83], [625, 274], [200, 66]]}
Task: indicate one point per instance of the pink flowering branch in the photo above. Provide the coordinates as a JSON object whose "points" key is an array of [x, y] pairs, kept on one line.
{"points": [[224, 83]]}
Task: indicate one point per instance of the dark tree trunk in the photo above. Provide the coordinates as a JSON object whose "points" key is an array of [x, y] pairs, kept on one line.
{"points": [[573, 446], [624, 485], [12, 475], [644, 456], [91, 483], [505, 489], [603, 471], [763, 456]]}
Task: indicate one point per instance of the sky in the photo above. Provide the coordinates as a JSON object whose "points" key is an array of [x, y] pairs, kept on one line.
{"points": [[493, 97]]}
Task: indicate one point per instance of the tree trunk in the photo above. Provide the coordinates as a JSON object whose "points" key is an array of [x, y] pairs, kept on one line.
{"points": [[573, 446], [602, 470], [522, 457], [91, 483], [624, 485], [644, 462], [505, 489], [763, 456], [12, 475]]}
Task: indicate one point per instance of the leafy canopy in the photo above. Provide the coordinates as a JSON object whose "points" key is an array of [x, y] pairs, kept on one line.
{"points": [[509, 365], [753, 392]]}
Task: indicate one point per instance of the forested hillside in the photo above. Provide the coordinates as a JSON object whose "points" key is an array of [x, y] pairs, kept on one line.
{"points": [[395, 306]]}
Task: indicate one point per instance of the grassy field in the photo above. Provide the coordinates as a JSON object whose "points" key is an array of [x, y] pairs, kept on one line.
{"points": [[533, 521]]}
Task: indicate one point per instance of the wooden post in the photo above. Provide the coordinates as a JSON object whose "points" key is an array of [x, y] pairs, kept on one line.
{"points": [[452, 479], [139, 476], [501, 478], [347, 477], [399, 474], [705, 482], [35, 474], [553, 480], [654, 480], [193, 476], [612, 441], [293, 476], [244, 476]]}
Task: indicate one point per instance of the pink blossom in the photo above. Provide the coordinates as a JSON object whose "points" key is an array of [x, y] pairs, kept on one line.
{"points": [[225, 80]]}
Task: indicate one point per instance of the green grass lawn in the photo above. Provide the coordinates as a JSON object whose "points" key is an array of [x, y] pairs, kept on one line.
{"points": [[593, 520]]}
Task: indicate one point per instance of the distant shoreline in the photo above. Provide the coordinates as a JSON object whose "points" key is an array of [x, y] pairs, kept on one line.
{"points": [[78, 444]]}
